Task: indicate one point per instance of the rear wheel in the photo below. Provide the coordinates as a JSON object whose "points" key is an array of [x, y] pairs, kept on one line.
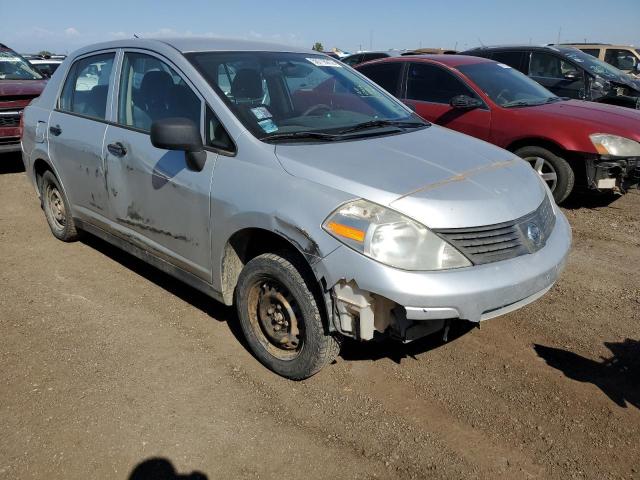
{"points": [[554, 170], [56, 209], [280, 318]]}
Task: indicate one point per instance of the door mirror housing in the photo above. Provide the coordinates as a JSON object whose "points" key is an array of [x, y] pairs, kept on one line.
{"points": [[180, 134], [465, 102]]}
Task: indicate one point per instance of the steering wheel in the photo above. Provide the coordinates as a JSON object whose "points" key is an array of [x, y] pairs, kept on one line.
{"points": [[319, 106]]}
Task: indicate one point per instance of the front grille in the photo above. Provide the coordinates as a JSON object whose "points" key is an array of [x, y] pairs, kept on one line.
{"points": [[9, 118], [503, 241]]}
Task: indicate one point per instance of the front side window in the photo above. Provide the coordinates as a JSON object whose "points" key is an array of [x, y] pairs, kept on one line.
{"points": [[429, 83], [622, 59], [14, 67], [87, 85], [387, 75], [546, 65], [594, 52], [275, 93], [506, 86], [150, 90]]}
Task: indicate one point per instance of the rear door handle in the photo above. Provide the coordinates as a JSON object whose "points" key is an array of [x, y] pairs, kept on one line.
{"points": [[55, 130], [117, 149]]}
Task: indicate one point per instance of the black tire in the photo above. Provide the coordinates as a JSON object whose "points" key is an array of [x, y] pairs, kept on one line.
{"points": [[263, 283], [56, 209], [551, 165]]}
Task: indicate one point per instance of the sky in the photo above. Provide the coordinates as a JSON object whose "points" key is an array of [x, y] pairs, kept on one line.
{"points": [[32, 25]]}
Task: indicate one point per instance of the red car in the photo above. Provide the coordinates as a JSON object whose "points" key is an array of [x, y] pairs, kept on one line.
{"points": [[566, 141], [19, 84]]}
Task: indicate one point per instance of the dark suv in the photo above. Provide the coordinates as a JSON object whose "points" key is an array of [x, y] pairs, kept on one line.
{"points": [[20, 83], [568, 72]]}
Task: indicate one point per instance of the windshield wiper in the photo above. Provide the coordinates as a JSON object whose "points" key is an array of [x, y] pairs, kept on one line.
{"points": [[521, 103], [303, 136], [383, 123]]}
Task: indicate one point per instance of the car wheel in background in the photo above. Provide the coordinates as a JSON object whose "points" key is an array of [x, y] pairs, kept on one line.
{"points": [[56, 209], [554, 170], [280, 317]]}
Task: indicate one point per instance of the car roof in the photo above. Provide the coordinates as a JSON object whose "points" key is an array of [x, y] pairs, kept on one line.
{"points": [[596, 45], [444, 59], [195, 44]]}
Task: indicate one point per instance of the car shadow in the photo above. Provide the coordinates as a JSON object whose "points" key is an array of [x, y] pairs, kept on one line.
{"points": [[397, 351], [618, 377], [157, 468], [583, 198], [351, 350], [212, 308], [11, 163]]}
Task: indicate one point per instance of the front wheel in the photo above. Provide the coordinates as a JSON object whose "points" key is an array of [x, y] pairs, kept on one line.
{"points": [[554, 170], [280, 318]]}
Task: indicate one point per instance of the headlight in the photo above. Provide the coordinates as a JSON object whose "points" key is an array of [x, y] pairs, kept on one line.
{"points": [[391, 238], [614, 145]]}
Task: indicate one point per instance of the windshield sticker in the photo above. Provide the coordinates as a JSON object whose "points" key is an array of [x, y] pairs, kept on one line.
{"points": [[503, 65], [9, 59], [261, 113], [268, 126], [324, 62]]}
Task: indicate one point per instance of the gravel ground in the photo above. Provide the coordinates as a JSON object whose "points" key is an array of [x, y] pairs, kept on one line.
{"points": [[108, 364]]}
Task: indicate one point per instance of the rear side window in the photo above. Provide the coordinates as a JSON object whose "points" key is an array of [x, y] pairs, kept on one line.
{"points": [[513, 59], [87, 85], [387, 75], [428, 83], [594, 52], [353, 59], [150, 90]]}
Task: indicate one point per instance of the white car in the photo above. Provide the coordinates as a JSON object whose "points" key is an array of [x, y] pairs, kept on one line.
{"points": [[45, 65]]}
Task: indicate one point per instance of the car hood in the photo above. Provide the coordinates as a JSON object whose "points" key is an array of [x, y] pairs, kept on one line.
{"points": [[611, 118], [27, 88], [439, 177]]}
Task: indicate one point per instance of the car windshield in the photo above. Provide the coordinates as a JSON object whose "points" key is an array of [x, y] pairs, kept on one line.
{"points": [[595, 66], [506, 86], [14, 67], [280, 95]]}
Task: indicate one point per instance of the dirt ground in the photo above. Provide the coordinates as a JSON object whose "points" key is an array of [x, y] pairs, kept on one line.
{"points": [[107, 364]]}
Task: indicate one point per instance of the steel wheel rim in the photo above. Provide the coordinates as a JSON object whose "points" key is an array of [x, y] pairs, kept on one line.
{"points": [[545, 169], [276, 318], [56, 207]]}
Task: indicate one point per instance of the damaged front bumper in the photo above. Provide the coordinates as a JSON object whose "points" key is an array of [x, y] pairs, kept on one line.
{"points": [[617, 174], [369, 297]]}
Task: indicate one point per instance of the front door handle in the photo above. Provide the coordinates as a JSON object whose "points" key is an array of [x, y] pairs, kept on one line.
{"points": [[55, 130], [117, 149]]}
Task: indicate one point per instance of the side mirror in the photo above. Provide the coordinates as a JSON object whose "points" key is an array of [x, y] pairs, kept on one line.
{"points": [[465, 102], [637, 67], [572, 75], [180, 134]]}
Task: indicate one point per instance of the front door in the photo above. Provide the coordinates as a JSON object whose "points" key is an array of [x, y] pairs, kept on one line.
{"points": [[76, 133], [429, 90], [156, 201], [558, 75]]}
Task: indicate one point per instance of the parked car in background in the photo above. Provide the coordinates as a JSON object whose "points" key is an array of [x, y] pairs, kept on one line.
{"points": [[624, 57], [321, 211], [430, 51], [46, 66], [568, 72], [563, 140], [361, 57], [19, 84]]}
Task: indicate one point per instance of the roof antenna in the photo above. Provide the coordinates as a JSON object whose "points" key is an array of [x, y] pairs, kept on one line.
{"points": [[135, 36], [481, 42]]}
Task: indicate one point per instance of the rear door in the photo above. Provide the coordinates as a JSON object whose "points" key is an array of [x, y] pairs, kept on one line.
{"points": [[156, 200], [430, 88], [76, 133], [562, 77]]}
